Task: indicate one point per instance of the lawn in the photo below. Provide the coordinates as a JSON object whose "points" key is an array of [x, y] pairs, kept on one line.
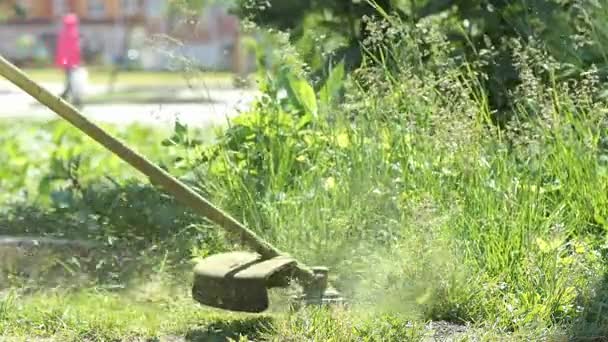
{"points": [[153, 316], [150, 94], [144, 87], [56, 183]]}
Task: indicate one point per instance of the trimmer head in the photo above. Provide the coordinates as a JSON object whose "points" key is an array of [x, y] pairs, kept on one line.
{"points": [[318, 294], [239, 281]]}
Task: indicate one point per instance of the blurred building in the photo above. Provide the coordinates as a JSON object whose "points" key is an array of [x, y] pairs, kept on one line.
{"points": [[145, 33]]}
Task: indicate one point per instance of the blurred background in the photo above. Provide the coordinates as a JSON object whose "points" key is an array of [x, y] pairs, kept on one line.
{"points": [[117, 31], [144, 60]]}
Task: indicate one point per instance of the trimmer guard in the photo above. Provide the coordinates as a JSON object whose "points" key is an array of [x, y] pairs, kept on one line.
{"points": [[239, 281]]}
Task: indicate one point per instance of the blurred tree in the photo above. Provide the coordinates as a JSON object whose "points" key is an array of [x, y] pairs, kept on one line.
{"points": [[9, 8], [319, 26]]}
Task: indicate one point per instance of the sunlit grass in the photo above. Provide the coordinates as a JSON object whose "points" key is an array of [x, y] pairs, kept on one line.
{"points": [[101, 76]]}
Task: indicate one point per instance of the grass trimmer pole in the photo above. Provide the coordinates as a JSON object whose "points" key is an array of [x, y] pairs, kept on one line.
{"points": [[157, 175]]}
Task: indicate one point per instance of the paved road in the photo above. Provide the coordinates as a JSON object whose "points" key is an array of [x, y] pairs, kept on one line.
{"points": [[226, 103]]}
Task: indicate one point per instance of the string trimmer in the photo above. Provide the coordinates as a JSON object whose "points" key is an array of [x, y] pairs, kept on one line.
{"points": [[236, 281]]}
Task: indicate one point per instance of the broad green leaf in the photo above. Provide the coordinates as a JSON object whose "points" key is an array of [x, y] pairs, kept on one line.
{"points": [[304, 120], [333, 84], [304, 93], [180, 130], [44, 187]]}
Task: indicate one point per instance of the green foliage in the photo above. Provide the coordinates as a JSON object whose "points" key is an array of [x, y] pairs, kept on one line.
{"points": [[419, 206], [322, 28], [56, 182], [342, 16], [423, 210], [38, 159], [10, 9], [325, 325], [105, 316], [482, 33]]}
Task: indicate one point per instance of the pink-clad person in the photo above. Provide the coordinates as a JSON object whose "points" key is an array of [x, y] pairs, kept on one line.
{"points": [[68, 56]]}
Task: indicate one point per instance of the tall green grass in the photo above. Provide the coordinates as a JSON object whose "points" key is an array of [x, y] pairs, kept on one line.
{"points": [[420, 205]]}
